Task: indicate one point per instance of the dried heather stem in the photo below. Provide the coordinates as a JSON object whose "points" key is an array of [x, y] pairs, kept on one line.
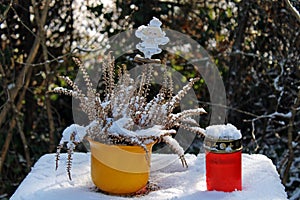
{"points": [[59, 147], [175, 118], [91, 92], [149, 71], [181, 94], [71, 83], [197, 130], [174, 145], [167, 88], [61, 90], [69, 163], [109, 76], [170, 87]]}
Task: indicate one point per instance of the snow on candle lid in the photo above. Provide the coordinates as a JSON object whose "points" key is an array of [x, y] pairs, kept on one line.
{"points": [[223, 132]]}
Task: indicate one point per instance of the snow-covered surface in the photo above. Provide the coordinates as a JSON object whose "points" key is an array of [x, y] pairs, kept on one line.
{"points": [[228, 132], [260, 180]]}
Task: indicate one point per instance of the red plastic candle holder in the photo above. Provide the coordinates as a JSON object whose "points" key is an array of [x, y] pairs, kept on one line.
{"points": [[223, 165]]}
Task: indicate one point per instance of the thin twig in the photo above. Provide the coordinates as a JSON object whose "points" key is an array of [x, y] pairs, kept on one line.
{"points": [[23, 138], [40, 20], [229, 108], [58, 59], [20, 79], [4, 16], [290, 139], [6, 144], [293, 10], [4, 84]]}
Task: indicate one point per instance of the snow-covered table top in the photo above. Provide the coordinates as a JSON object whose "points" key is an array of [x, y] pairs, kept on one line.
{"points": [[260, 180]]}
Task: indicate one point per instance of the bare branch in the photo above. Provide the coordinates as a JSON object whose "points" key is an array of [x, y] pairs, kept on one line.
{"points": [[6, 144], [40, 20], [23, 138], [4, 16], [20, 79], [290, 139], [293, 10]]}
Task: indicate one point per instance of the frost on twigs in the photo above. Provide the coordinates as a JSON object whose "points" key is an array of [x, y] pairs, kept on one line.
{"points": [[175, 146], [124, 114], [71, 137]]}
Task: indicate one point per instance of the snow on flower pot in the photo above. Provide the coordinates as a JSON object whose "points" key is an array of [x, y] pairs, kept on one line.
{"points": [[124, 170], [223, 158]]}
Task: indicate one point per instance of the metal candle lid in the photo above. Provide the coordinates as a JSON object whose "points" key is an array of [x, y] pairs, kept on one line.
{"points": [[223, 139], [223, 146]]}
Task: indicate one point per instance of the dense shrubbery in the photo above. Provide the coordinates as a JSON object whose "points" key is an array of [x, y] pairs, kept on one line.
{"points": [[255, 45]]}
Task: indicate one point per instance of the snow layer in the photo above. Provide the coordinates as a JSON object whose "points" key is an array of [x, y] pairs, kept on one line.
{"points": [[228, 132], [78, 131], [156, 130], [260, 180]]}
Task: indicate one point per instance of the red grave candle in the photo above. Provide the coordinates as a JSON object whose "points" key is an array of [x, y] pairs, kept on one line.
{"points": [[223, 160]]}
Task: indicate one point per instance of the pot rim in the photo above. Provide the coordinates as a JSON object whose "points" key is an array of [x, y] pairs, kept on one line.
{"points": [[89, 139]]}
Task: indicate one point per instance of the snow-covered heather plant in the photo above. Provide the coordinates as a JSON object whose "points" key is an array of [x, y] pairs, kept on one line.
{"points": [[124, 114]]}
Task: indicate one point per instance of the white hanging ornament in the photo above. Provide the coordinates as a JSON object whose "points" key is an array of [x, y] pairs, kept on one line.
{"points": [[151, 36]]}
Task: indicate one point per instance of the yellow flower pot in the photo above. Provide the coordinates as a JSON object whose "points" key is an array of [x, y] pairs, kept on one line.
{"points": [[119, 169]]}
